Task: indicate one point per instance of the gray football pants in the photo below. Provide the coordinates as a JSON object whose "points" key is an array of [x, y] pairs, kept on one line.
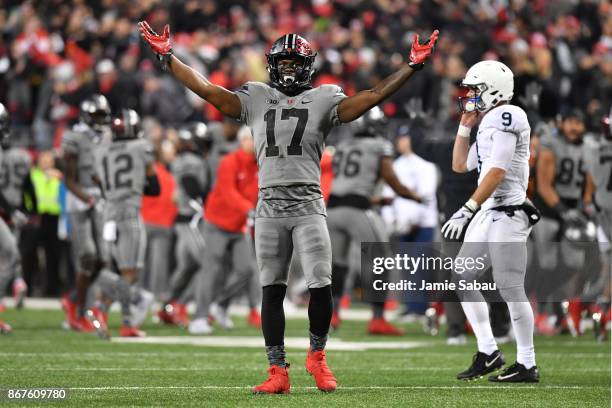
{"points": [[210, 278], [275, 239], [10, 259], [154, 277], [189, 252]]}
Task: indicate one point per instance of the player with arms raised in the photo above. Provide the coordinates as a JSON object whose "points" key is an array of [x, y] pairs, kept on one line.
{"points": [[290, 121], [501, 216]]}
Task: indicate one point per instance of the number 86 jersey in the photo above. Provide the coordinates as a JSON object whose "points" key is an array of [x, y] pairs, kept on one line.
{"points": [[121, 167], [289, 131], [503, 142]]}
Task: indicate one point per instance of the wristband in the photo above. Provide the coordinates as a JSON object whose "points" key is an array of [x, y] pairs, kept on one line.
{"points": [[464, 131], [471, 205]]}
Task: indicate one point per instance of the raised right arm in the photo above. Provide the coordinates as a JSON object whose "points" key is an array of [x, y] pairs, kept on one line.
{"points": [[227, 102]]}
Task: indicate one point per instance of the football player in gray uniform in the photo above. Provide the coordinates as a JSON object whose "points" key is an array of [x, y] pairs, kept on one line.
{"points": [[289, 121], [598, 201], [125, 172], [560, 181], [15, 185], [83, 203], [190, 172], [10, 259], [359, 164]]}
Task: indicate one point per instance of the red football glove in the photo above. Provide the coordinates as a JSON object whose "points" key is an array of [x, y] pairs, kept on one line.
{"points": [[420, 52], [160, 44]]}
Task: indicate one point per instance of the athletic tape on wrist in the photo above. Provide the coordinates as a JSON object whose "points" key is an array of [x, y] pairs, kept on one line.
{"points": [[464, 131]]}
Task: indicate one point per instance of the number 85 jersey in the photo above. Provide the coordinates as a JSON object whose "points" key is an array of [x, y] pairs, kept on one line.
{"points": [[289, 131], [503, 142], [121, 166]]}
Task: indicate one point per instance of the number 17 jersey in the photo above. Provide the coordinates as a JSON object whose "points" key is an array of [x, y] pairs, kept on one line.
{"points": [[289, 131]]}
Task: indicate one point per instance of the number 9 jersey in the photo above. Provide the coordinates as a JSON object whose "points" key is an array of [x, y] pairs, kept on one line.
{"points": [[289, 131], [503, 142]]}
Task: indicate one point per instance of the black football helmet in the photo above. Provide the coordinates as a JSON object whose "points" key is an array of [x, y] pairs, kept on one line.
{"points": [[196, 136], [370, 124], [95, 112], [291, 47], [126, 126], [4, 127]]}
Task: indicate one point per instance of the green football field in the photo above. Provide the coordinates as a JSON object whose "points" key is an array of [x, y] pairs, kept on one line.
{"points": [[574, 372]]}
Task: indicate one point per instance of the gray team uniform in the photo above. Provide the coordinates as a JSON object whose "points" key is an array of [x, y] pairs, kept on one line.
{"points": [[188, 227], [15, 168], [569, 183], [357, 171], [10, 259], [289, 134], [85, 224], [122, 170], [598, 162]]}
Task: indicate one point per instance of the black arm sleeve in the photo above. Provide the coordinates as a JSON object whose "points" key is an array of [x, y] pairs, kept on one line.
{"points": [[152, 186], [29, 191], [192, 187]]}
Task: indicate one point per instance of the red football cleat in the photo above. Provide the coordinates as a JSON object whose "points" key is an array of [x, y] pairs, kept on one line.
{"points": [[335, 320], [181, 316], [70, 309], [277, 382], [99, 320], [20, 289], [391, 304], [574, 316], [5, 328], [316, 365], [345, 302], [127, 331], [381, 326], [85, 325], [254, 318]]}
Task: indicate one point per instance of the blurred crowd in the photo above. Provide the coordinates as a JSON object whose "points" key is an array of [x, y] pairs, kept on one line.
{"points": [[56, 53]]}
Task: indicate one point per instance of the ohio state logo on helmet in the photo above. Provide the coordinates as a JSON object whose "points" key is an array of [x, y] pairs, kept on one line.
{"points": [[291, 47]]}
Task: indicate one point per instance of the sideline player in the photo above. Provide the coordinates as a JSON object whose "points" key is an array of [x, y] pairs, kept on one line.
{"points": [[290, 121], [359, 163], [502, 215], [228, 207], [125, 172]]}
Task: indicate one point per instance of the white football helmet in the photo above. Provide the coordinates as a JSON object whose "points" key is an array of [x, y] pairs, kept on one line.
{"points": [[493, 83]]}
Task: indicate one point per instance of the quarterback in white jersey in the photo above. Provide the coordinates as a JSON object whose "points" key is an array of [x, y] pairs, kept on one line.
{"points": [[499, 215]]}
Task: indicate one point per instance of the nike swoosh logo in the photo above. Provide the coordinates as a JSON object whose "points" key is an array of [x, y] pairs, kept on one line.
{"points": [[305, 102], [505, 377], [496, 219], [490, 363], [459, 217]]}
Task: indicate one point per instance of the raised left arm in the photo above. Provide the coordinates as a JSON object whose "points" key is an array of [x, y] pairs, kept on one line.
{"points": [[354, 106]]}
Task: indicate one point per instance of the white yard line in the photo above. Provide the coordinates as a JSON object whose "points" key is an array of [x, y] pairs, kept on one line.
{"points": [[357, 387], [259, 368]]}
